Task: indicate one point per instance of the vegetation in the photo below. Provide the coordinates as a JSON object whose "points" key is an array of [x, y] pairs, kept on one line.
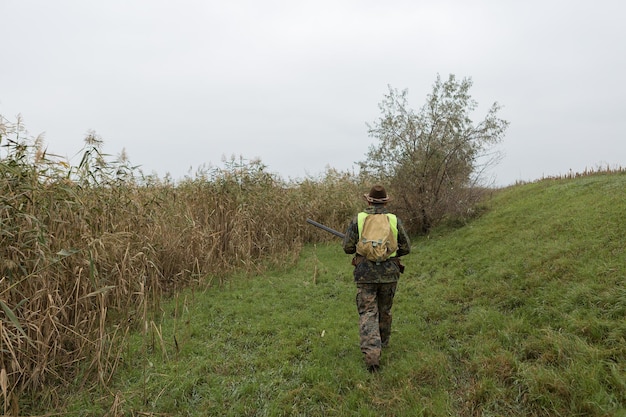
{"points": [[125, 294], [433, 158], [87, 251], [518, 313]]}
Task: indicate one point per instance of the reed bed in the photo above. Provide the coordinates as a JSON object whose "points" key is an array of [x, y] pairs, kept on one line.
{"points": [[87, 252]]}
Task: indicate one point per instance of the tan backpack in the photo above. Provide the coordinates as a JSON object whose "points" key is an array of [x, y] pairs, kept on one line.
{"points": [[377, 240]]}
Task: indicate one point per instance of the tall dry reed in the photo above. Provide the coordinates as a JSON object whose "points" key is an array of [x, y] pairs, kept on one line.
{"points": [[88, 251]]}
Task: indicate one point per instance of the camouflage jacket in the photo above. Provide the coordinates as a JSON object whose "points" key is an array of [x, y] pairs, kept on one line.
{"points": [[368, 272]]}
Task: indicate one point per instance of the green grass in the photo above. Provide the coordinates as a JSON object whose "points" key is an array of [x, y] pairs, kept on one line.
{"points": [[519, 313]]}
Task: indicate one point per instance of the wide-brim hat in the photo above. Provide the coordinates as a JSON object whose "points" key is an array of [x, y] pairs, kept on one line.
{"points": [[377, 195]]}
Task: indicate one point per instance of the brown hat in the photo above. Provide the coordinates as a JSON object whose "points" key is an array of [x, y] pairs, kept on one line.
{"points": [[377, 195]]}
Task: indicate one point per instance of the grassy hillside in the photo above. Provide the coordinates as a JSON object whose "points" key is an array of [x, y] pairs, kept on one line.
{"points": [[519, 313]]}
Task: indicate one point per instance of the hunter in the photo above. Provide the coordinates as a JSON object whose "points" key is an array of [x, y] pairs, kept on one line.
{"points": [[376, 279]]}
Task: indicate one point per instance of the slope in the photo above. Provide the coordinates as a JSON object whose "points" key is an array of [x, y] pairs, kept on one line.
{"points": [[519, 313]]}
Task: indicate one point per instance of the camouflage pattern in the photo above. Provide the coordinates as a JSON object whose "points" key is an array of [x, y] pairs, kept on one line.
{"points": [[376, 288], [374, 303]]}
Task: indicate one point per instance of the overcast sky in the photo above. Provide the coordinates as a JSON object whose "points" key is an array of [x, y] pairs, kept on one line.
{"points": [[181, 84]]}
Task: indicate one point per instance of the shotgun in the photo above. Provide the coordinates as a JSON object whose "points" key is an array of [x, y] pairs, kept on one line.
{"points": [[326, 228]]}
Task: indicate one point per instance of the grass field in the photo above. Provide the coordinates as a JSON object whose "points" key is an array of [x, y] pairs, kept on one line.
{"points": [[519, 313]]}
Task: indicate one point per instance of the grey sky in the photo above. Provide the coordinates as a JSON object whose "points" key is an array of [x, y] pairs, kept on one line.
{"points": [[182, 84]]}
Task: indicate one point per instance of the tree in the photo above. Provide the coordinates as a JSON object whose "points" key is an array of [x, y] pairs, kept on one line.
{"points": [[433, 160]]}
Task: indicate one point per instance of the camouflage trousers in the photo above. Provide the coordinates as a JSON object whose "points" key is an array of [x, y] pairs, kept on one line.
{"points": [[374, 303]]}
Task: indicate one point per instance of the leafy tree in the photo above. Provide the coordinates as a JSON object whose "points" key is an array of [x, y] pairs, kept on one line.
{"points": [[432, 160]]}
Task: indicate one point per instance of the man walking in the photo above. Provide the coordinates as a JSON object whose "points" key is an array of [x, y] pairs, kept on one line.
{"points": [[376, 276]]}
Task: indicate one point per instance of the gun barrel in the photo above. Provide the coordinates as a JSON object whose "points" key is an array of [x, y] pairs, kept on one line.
{"points": [[326, 228]]}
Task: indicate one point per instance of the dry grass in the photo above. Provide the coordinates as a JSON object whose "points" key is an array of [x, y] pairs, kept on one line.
{"points": [[88, 251], [597, 170]]}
